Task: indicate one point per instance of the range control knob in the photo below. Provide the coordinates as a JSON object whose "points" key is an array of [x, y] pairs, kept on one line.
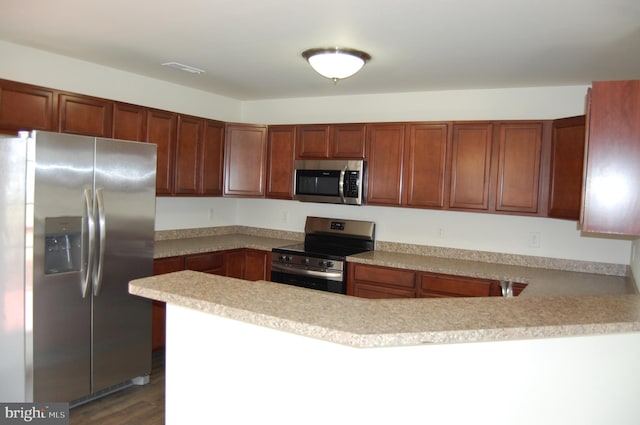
{"points": [[306, 260], [327, 263]]}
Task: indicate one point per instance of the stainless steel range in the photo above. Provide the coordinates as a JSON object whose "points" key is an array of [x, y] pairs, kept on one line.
{"points": [[320, 262]]}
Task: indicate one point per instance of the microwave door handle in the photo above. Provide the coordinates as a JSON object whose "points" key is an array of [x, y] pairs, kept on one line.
{"points": [[343, 172]]}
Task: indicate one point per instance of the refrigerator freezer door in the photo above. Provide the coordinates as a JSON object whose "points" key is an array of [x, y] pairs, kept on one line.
{"points": [[14, 365], [125, 210], [61, 315]]}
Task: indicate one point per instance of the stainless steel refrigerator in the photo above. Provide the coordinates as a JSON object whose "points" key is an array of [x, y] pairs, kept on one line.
{"points": [[77, 224]]}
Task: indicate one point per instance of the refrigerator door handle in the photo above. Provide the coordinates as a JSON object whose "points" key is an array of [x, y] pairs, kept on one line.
{"points": [[91, 229], [102, 227]]}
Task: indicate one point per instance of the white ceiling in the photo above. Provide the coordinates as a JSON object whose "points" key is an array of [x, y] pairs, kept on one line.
{"points": [[250, 49]]}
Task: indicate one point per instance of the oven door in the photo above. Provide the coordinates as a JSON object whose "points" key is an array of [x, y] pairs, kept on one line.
{"points": [[304, 280]]}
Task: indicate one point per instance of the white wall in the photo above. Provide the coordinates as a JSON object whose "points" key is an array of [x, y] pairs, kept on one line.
{"points": [[498, 104], [45, 69], [495, 233], [246, 374]]}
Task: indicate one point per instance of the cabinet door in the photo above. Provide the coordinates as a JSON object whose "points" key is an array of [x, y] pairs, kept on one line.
{"points": [[612, 178], [234, 263], [434, 285], [161, 130], [366, 290], [26, 107], [212, 160], [312, 142], [129, 122], [385, 151], [567, 160], [379, 282], [158, 313], [257, 265], [470, 166], [520, 149], [280, 156], [85, 115], [188, 160], [347, 141], [425, 159], [245, 160]]}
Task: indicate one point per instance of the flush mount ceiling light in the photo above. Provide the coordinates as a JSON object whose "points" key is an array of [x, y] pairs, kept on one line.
{"points": [[336, 63]]}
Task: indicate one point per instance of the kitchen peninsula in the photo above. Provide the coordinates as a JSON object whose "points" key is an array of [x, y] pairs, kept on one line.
{"points": [[306, 356]]}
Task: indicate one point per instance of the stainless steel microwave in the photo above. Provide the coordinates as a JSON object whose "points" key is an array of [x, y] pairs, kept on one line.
{"points": [[329, 181]]}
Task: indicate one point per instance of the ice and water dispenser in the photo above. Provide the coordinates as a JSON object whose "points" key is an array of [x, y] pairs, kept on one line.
{"points": [[63, 244]]}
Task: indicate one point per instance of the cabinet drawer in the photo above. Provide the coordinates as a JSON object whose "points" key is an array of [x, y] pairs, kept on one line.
{"points": [[453, 286], [381, 292], [205, 262], [384, 275]]}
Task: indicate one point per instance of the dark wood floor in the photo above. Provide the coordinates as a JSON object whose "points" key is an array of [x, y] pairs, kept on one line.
{"points": [[137, 405]]}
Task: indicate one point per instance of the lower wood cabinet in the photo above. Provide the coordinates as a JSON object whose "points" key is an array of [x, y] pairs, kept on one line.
{"points": [[162, 266], [209, 262], [248, 264], [244, 263], [386, 282], [380, 282], [434, 285]]}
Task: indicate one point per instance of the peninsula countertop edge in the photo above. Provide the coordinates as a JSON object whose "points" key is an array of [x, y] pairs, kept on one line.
{"points": [[365, 323]]}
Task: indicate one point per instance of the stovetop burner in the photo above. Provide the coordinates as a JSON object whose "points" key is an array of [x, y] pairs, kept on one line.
{"points": [[328, 252]]}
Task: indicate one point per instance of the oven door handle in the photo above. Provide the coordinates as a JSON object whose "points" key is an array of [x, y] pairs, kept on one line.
{"points": [[303, 272]]}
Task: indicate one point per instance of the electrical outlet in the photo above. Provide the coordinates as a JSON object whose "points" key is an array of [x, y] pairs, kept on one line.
{"points": [[534, 239], [285, 216], [212, 214], [440, 232]]}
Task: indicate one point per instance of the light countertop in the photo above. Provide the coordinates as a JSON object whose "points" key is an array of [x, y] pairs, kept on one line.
{"points": [[541, 281], [366, 323], [556, 303]]}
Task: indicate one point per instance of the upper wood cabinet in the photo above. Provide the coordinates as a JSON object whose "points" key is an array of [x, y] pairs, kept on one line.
{"points": [[425, 165], [612, 171], [567, 161], [471, 150], [519, 158], [324, 141], [161, 130], [280, 154], [212, 158], [129, 122], [347, 141], [498, 167], [385, 156], [25, 107], [312, 141], [189, 147], [85, 115], [245, 160]]}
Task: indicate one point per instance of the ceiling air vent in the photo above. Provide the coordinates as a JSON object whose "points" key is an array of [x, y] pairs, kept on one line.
{"points": [[185, 68]]}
